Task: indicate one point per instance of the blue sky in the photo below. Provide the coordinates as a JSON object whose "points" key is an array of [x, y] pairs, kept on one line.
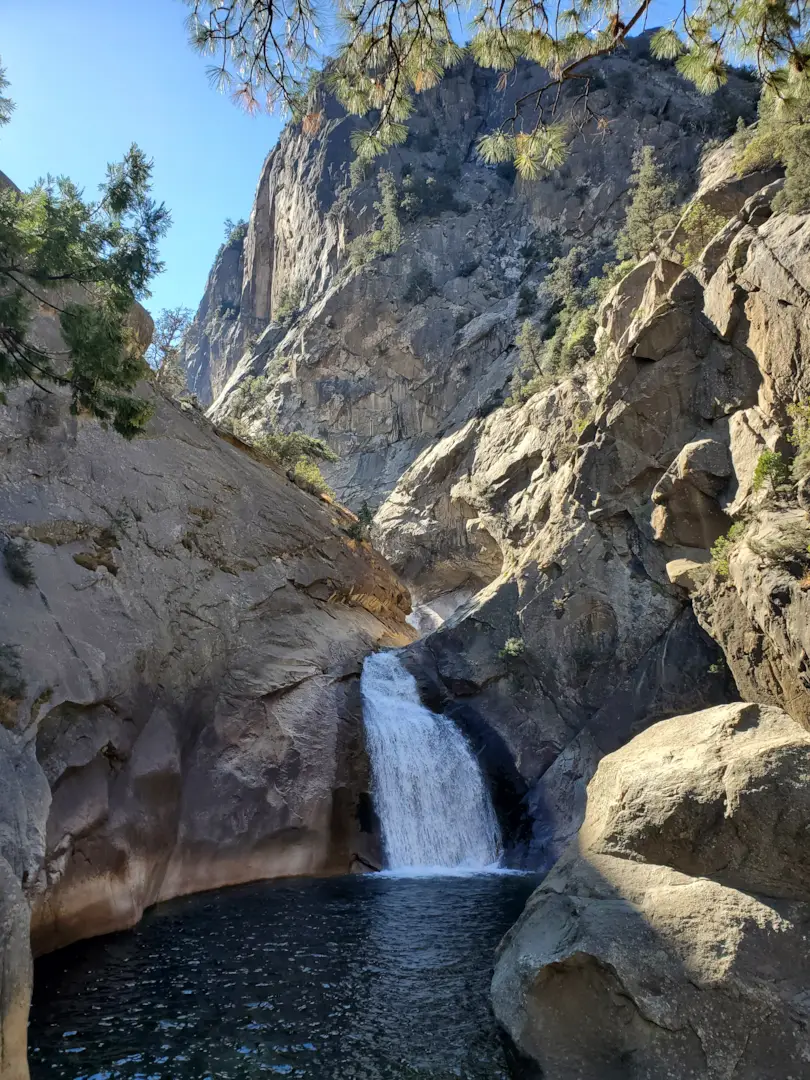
{"points": [[92, 76]]}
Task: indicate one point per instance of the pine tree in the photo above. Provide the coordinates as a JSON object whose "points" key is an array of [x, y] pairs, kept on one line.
{"points": [[163, 355], [651, 209], [87, 262], [390, 52]]}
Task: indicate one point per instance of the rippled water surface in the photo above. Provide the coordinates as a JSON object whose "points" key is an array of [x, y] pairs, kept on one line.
{"points": [[361, 978]]}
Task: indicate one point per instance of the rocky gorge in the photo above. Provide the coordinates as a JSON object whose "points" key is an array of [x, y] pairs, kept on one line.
{"points": [[185, 709]]}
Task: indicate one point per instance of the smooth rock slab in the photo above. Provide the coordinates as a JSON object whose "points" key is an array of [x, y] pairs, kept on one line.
{"points": [[622, 971], [723, 793]]}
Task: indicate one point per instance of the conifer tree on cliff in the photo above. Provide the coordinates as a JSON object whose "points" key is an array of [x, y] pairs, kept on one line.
{"points": [[266, 52], [87, 263], [651, 209]]}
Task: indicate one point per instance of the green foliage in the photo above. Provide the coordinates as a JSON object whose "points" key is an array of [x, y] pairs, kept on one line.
{"points": [[529, 378], [583, 422], [387, 239], [358, 172], [513, 648], [723, 546], [289, 302], [306, 475], [87, 263], [573, 340], [782, 136], [771, 468], [799, 437], [569, 339], [164, 354], [527, 301], [355, 531], [249, 394], [292, 448], [17, 559], [6, 104], [418, 287], [359, 530], [235, 231], [531, 346], [700, 225], [297, 453], [390, 53], [533, 153], [651, 209]]}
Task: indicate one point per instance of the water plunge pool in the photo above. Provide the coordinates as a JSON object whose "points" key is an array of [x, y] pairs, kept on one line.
{"points": [[360, 978]]}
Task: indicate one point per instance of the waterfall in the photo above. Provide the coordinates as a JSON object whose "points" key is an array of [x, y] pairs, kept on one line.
{"points": [[433, 804]]}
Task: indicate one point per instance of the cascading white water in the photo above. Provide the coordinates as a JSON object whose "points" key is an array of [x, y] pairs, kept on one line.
{"points": [[434, 807]]}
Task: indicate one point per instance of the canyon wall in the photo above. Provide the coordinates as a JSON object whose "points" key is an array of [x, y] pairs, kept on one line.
{"points": [[588, 514], [381, 361], [180, 676]]}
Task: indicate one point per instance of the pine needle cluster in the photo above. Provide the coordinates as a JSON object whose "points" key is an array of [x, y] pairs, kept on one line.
{"points": [[87, 263], [392, 50]]}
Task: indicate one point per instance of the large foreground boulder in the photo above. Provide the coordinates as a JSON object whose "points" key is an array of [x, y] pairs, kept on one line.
{"points": [[622, 967]]}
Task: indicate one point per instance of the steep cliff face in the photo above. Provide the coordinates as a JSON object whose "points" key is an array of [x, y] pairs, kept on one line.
{"points": [[580, 527], [576, 526], [207, 351], [181, 704], [383, 360]]}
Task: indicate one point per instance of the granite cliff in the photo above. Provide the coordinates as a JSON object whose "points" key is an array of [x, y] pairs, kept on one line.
{"points": [[180, 678], [381, 361]]}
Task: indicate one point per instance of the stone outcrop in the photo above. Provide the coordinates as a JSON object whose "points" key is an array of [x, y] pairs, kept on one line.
{"points": [[671, 939], [384, 360], [180, 677], [760, 294], [580, 523]]}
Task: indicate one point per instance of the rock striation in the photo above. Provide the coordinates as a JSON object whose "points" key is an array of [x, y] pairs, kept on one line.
{"points": [[181, 705], [671, 938]]}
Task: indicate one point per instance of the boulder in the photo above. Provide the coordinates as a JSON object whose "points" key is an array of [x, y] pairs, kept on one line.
{"points": [[722, 793], [619, 970], [671, 938]]}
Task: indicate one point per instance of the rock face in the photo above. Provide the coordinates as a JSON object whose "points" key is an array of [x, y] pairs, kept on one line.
{"points": [[382, 361], [671, 939], [759, 296], [181, 703], [580, 523]]}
